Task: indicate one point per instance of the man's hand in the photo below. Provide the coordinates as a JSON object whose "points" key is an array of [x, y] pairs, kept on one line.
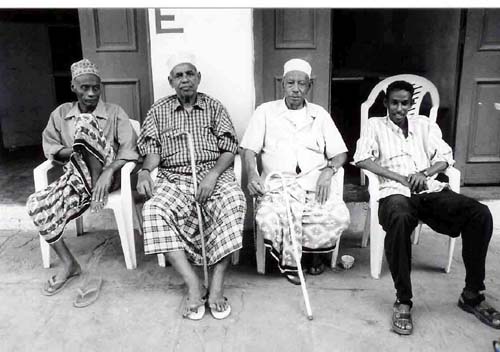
{"points": [[206, 187], [100, 190], [323, 185], [255, 186], [145, 184], [417, 182]]}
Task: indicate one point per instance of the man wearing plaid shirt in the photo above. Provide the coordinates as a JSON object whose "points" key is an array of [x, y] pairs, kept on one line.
{"points": [[407, 152], [170, 219]]}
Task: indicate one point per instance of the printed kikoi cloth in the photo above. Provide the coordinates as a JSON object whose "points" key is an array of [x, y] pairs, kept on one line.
{"points": [[69, 196], [317, 227]]}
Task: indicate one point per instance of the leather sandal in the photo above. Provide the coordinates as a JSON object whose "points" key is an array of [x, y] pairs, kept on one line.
{"points": [[483, 311], [401, 318]]}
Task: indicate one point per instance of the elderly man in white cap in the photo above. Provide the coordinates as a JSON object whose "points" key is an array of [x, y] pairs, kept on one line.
{"points": [[170, 218], [299, 140], [94, 140]]}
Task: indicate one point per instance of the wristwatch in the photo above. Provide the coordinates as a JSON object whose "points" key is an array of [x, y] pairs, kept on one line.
{"points": [[144, 169], [425, 173], [333, 167]]}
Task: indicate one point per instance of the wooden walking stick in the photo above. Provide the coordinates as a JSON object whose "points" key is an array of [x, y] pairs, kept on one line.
{"points": [[198, 209]]}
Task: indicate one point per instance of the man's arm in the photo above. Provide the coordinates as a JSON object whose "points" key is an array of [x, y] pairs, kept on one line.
{"points": [[255, 186], [324, 182], [207, 185], [372, 166], [145, 184]]}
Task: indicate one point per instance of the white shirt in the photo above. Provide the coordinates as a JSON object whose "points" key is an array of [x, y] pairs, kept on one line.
{"points": [[384, 142], [287, 138]]}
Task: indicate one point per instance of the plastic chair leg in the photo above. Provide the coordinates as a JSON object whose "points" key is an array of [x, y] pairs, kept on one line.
{"points": [[235, 258], [161, 260], [79, 226], [335, 254], [451, 249], [138, 217], [377, 235], [366, 231], [45, 248], [416, 233], [123, 231], [260, 252]]}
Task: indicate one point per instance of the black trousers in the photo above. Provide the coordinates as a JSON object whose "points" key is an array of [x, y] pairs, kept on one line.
{"points": [[445, 212]]}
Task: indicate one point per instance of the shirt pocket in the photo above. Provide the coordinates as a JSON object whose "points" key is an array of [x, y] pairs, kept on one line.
{"points": [[209, 139], [171, 142], [313, 143]]}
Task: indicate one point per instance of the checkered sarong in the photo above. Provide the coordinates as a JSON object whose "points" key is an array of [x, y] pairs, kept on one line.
{"points": [[69, 196], [317, 227], [171, 223]]}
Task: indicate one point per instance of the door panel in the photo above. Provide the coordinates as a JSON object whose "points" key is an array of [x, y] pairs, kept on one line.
{"points": [[116, 40], [287, 34], [477, 147]]}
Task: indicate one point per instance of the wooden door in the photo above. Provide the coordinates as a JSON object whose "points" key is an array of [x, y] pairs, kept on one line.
{"points": [[477, 146], [283, 34], [117, 41]]}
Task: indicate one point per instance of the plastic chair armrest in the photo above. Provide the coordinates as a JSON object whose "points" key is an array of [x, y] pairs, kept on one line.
{"points": [[453, 178], [125, 172], [40, 174], [373, 184]]}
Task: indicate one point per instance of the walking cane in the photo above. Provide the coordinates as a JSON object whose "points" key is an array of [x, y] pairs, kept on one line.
{"points": [[198, 209], [294, 243]]}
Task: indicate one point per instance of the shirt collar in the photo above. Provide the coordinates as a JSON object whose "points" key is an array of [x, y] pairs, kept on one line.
{"points": [[99, 111], [199, 103], [282, 108], [396, 128]]}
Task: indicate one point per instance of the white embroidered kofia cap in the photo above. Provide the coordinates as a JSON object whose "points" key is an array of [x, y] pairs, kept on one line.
{"points": [[181, 57], [297, 65], [83, 67]]}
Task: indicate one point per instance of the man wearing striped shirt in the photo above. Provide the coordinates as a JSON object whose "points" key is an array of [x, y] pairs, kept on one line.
{"points": [[407, 153]]}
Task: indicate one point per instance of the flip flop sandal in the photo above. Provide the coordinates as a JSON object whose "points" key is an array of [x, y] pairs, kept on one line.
{"points": [[496, 346], [401, 317], [194, 313], [87, 296], [487, 315], [220, 315], [293, 279], [56, 286]]}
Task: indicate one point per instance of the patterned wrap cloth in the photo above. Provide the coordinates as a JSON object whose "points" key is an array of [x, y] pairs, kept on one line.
{"points": [[317, 227], [69, 196], [170, 220]]}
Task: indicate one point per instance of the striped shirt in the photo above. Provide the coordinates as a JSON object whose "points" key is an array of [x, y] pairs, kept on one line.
{"points": [[384, 142], [209, 124]]}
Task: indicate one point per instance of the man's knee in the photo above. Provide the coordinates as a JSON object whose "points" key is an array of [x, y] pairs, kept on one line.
{"points": [[482, 213], [396, 211]]}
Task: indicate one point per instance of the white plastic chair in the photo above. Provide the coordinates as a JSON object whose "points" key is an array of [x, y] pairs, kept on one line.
{"points": [[373, 230], [120, 201], [260, 249], [235, 258]]}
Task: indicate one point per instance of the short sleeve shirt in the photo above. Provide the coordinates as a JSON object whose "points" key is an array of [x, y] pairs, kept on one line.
{"points": [[286, 140], [113, 120]]}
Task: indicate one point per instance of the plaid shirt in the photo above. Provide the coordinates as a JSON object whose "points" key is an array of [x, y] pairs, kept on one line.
{"points": [[384, 142], [209, 124]]}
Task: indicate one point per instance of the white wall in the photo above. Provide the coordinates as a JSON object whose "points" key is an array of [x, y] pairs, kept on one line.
{"points": [[222, 40]]}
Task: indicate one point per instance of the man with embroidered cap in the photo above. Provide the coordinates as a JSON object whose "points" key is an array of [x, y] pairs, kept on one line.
{"points": [[300, 140], [93, 140], [170, 219]]}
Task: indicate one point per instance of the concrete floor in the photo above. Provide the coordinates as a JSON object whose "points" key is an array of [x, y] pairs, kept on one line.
{"points": [[138, 310]]}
